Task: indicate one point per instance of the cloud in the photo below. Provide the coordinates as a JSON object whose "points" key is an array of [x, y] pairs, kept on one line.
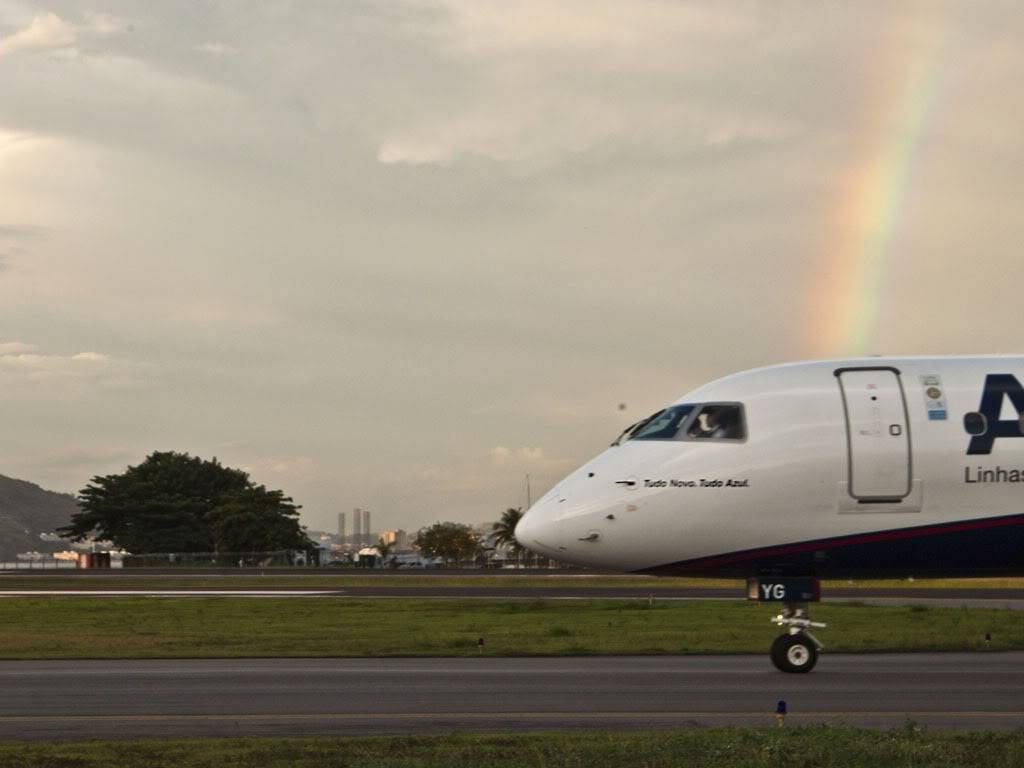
{"points": [[500, 454], [225, 312], [216, 49], [88, 458], [45, 33], [543, 83], [477, 473], [104, 25], [14, 239], [50, 32], [24, 367], [531, 455], [472, 28], [15, 348], [283, 471], [44, 366], [526, 457]]}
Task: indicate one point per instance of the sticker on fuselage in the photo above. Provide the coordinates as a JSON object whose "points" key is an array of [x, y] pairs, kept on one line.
{"points": [[934, 397], [704, 482]]}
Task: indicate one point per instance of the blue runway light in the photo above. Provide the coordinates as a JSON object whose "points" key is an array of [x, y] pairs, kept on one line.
{"points": [[780, 713]]}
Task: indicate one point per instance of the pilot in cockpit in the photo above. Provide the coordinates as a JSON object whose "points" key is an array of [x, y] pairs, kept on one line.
{"points": [[712, 423]]}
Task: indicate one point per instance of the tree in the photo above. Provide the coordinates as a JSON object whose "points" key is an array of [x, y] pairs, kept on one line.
{"points": [[173, 502], [505, 531], [256, 520], [384, 548], [453, 542]]}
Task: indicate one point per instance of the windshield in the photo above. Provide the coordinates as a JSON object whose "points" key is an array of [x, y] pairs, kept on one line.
{"points": [[719, 421], [664, 425]]}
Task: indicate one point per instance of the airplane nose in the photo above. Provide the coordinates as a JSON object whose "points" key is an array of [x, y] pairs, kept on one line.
{"points": [[537, 530], [525, 528]]}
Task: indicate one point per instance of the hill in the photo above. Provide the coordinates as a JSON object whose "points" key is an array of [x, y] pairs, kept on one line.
{"points": [[26, 510]]}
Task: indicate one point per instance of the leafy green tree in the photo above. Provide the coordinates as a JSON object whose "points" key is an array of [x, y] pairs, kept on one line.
{"points": [[505, 531], [453, 542], [256, 520], [173, 502]]}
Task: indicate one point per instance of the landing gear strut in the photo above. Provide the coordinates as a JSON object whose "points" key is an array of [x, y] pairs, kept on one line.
{"points": [[797, 649]]}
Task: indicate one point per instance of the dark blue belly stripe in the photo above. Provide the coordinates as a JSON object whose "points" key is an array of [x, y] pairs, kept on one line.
{"points": [[983, 547]]}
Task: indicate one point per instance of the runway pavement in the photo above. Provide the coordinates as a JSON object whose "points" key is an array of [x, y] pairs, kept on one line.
{"points": [[980, 597], [134, 699]]}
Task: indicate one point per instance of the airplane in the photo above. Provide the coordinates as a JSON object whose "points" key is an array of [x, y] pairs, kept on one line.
{"points": [[784, 475]]}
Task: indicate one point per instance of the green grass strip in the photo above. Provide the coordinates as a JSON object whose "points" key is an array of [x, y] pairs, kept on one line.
{"points": [[141, 627], [819, 746]]}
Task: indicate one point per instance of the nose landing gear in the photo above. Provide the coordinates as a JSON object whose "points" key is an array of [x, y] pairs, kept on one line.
{"points": [[797, 649]]}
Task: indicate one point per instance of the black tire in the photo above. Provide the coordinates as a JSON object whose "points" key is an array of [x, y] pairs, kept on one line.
{"points": [[777, 650], [794, 653]]}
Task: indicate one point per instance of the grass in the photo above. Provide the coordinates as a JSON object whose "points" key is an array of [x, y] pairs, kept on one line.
{"points": [[131, 579], [327, 580], [142, 627], [819, 746]]}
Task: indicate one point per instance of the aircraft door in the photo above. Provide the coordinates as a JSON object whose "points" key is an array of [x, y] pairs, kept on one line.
{"points": [[877, 433]]}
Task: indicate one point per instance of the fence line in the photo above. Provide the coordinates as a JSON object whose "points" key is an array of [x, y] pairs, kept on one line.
{"points": [[37, 565]]}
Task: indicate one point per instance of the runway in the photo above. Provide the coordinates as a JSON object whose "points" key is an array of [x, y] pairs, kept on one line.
{"points": [[1010, 599], [277, 697], [436, 583]]}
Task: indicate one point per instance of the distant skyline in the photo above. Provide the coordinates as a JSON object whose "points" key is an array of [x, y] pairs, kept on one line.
{"points": [[399, 254]]}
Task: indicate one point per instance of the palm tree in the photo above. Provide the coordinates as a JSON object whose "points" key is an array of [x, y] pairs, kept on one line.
{"points": [[384, 548], [505, 531]]}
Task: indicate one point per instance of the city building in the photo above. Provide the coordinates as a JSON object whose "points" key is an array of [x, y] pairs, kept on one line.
{"points": [[341, 527], [368, 539], [399, 538], [357, 527], [402, 543]]}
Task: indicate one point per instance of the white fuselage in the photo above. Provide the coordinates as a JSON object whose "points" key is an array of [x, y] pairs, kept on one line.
{"points": [[842, 468]]}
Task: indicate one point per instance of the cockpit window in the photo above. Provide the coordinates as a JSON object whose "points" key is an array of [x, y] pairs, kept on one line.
{"points": [[718, 421], [664, 425], [707, 421]]}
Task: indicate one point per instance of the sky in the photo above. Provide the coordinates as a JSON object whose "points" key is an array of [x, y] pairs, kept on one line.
{"points": [[402, 254]]}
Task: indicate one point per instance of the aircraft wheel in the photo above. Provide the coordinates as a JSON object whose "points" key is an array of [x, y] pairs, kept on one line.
{"points": [[776, 652], [794, 653]]}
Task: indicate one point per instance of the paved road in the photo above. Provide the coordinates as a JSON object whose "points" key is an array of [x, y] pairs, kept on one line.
{"points": [[132, 699]]}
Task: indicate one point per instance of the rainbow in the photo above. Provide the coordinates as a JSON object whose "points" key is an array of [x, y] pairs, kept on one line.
{"points": [[850, 291]]}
